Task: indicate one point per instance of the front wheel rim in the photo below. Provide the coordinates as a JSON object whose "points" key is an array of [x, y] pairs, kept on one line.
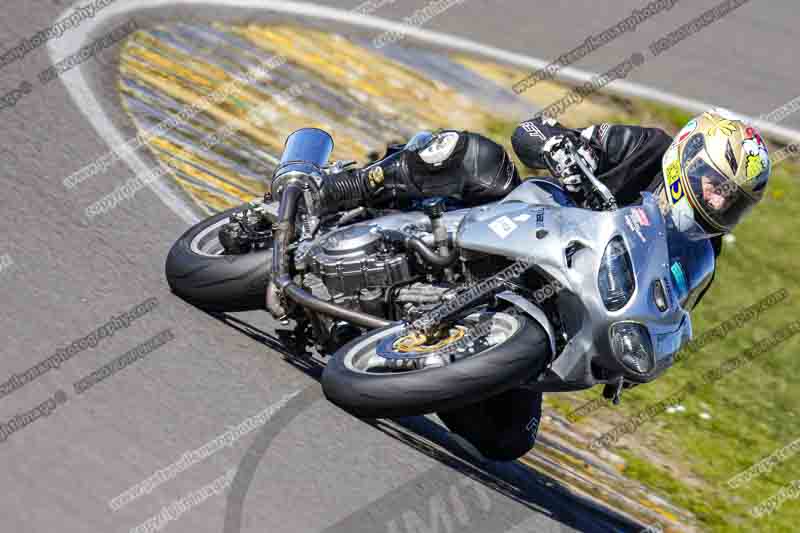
{"points": [[207, 242], [485, 331]]}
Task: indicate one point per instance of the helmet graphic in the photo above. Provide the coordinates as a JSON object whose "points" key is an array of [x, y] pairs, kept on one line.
{"points": [[715, 172]]}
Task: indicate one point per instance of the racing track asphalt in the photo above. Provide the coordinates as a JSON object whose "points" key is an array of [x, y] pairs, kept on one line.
{"points": [[312, 467]]}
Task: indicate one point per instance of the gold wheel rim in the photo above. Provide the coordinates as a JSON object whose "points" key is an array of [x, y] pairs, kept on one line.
{"points": [[418, 343]]}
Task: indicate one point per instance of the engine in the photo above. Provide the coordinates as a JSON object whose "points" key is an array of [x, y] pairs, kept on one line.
{"points": [[356, 259], [358, 268]]}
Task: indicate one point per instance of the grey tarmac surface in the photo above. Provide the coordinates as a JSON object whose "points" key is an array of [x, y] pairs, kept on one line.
{"points": [[311, 467]]}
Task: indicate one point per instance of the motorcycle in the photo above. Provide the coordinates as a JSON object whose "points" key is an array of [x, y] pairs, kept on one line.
{"points": [[469, 312]]}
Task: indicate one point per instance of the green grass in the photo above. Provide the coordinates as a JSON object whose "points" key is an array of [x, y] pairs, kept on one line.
{"points": [[756, 409], [676, 118]]}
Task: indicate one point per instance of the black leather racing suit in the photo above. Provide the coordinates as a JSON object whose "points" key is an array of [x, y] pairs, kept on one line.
{"points": [[462, 165], [629, 157], [477, 170]]}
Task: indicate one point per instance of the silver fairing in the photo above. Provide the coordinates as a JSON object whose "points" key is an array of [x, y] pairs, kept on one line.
{"points": [[528, 225]]}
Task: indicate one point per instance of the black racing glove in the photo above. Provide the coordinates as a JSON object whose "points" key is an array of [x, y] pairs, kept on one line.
{"points": [[539, 139], [561, 160], [628, 157], [530, 138]]}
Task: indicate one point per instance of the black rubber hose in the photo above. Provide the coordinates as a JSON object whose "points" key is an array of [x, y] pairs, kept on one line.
{"points": [[346, 186], [429, 256], [415, 244]]}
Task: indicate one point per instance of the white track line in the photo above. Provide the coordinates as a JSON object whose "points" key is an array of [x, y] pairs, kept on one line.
{"points": [[87, 102]]}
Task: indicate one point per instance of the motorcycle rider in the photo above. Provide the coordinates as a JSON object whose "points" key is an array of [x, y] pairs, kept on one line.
{"points": [[711, 174]]}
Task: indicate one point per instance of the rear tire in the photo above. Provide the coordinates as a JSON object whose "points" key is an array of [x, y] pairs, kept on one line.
{"points": [[217, 283], [503, 427], [501, 367]]}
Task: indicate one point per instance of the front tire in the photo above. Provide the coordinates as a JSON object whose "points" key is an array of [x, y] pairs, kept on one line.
{"points": [[388, 394]]}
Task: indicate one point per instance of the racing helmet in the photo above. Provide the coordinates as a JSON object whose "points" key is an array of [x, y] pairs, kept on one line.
{"points": [[715, 171]]}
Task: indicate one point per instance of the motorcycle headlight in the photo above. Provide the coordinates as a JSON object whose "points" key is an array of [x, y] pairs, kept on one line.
{"points": [[633, 347], [615, 279]]}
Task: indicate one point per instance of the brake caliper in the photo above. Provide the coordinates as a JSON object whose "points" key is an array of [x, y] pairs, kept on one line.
{"points": [[248, 229], [421, 343]]}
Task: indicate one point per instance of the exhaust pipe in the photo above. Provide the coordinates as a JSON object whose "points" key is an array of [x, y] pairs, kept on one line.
{"points": [[300, 171]]}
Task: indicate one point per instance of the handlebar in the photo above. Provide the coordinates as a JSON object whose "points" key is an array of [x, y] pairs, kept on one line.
{"points": [[597, 195], [609, 203]]}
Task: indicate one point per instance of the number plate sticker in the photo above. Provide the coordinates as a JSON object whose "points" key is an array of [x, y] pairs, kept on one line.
{"points": [[503, 227]]}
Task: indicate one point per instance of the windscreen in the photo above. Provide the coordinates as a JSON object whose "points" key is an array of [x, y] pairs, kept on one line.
{"points": [[690, 254], [691, 260]]}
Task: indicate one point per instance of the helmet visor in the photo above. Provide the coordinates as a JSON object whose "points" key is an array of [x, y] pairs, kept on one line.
{"points": [[722, 201]]}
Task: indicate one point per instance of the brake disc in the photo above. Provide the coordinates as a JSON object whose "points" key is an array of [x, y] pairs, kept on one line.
{"points": [[417, 350]]}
